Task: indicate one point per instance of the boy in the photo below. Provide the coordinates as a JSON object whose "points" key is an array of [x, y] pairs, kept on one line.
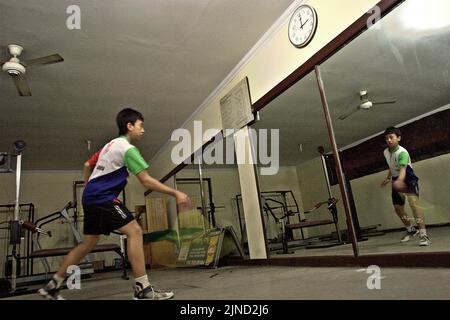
{"points": [[404, 184], [105, 176]]}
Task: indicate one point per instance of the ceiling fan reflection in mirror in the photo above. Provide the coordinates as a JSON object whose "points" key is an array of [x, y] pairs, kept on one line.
{"points": [[364, 104], [16, 69]]}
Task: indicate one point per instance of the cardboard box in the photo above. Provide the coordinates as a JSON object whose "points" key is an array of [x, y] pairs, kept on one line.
{"points": [[98, 265], [140, 213], [162, 252], [156, 210]]}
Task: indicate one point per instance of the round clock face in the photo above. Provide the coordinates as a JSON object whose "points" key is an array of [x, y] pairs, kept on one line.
{"points": [[302, 26]]}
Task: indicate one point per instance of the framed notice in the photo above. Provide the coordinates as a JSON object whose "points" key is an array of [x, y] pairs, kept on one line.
{"points": [[236, 107]]}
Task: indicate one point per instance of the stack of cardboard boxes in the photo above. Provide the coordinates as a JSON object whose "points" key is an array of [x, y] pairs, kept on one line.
{"points": [[154, 217]]}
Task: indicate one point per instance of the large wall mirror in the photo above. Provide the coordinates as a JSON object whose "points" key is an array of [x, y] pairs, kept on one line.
{"points": [[396, 74], [301, 217]]}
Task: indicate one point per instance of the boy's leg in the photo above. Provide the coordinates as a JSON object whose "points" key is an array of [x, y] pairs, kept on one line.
{"points": [[51, 289], [413, 201], [401, 213], [78, 253], [398, 201], [136, 257], [135, 247], [417, 210]]}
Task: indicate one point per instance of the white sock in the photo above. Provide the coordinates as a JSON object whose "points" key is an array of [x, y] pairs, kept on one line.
{"points": [[423, 232], [58, 280], [410, 228], [143, 281]]}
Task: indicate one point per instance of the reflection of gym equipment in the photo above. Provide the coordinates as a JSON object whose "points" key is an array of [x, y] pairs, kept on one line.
{"points": [[281, 206], [331, 206], [361, 233], [209, 211], [286, 213], [287, 227], [279, 198], [305, 223]]}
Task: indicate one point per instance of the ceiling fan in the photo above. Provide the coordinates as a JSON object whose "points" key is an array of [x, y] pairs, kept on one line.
{"points": [[17, 69], [364, 104]]}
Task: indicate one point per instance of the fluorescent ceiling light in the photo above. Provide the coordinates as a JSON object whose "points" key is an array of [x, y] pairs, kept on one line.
{"points": [[421, 15]]}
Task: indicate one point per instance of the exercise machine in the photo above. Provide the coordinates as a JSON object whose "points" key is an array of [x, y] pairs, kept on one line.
{"points": [[16, 232], [210, 207], [332, 208]]}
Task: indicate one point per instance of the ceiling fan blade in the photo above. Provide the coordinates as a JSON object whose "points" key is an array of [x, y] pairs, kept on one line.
{"points": [[384, 102], [347, 114], [22, 86], [54, 58]]}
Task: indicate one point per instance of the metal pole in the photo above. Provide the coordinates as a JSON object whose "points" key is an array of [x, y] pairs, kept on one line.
{"points": [[324, 166], [16, 224], [340, 173], [202, 194], [175, 186]]}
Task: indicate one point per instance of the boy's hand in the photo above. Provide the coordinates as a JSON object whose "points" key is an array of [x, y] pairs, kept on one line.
{"points": [[385, 182], [183, 201]]}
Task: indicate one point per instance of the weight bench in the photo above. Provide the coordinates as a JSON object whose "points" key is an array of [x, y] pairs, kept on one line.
{"points": [[331, 206], [45, 253]]}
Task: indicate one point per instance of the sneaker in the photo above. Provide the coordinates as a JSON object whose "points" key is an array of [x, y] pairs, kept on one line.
{"points": [[50, 291], [409, 235], [150, 293], [424, 241]]}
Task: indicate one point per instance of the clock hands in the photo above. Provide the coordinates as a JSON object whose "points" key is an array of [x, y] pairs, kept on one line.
{"points": [[301, 23], [304, 24]]}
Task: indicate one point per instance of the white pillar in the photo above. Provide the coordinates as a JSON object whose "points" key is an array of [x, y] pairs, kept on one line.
{"points": [[250, 195]]}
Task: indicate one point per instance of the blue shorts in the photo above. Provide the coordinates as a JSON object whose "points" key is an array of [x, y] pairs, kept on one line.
{"points": [[399, 198]]}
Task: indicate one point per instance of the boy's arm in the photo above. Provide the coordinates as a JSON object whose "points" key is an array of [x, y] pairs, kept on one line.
{"points": [[87, 171], [402, 173], [89, 166], [403, 159], [155, 185]]}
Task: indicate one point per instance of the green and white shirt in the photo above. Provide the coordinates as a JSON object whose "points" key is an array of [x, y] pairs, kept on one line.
{"points": [[111, 166], [397, 158]]}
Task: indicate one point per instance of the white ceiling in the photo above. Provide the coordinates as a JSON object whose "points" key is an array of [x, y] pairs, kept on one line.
{"points": [[394, 62], [163, 57]]}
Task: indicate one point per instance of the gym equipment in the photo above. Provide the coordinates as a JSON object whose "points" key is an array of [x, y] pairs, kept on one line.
{"points": [[36, 228], [286, 227], [25, 246], [280, 205], [15, 227], [305, 223], [86, 265], [331, 206], [210, 208]]}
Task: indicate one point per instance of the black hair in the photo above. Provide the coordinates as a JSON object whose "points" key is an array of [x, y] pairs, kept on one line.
{"points": [[126, 116], [393, 130]]}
